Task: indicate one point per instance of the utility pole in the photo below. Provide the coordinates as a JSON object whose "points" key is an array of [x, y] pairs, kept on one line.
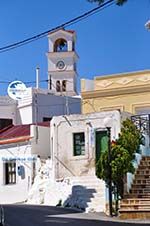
{"points": [[36, 116], [50, 82]]}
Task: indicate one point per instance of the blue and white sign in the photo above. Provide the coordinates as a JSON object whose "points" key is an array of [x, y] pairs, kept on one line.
{"points": [[17, 90]]}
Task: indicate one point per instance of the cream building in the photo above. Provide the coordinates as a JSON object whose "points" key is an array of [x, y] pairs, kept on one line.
{"points": [[129, 92]]}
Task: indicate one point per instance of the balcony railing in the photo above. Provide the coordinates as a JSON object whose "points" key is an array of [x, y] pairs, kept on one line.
{"points": [[142, 122]]}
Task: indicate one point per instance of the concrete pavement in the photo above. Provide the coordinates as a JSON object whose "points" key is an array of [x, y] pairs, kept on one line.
{"points": [[32, 215]]}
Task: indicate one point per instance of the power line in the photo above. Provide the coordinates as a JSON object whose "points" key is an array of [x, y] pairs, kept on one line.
{"points": [[26, 82], [63, 25]]}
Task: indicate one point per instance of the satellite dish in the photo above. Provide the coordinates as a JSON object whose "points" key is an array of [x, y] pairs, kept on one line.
{"points": [[17, 90]]}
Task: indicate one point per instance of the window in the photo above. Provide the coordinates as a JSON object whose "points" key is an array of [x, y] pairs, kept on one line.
{"points": [[73, 46], [5, 122], [79, 144], [64, 85], [10, 172], [58, 86], [60, 45], [47, 119]]}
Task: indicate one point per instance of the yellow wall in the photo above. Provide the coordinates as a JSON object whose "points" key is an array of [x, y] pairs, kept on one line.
{"points": [[126, 92]]}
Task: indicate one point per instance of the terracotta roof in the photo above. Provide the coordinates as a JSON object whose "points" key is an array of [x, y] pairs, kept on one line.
{"points": [[18, 133], [15, 131], [45, 124], [70, 31], [15, 140], [19, 130]]}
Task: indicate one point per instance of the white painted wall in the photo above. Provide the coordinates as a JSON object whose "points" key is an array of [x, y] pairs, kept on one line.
{"points": [[23, 153], [16, 192], [8, 109], [61, 137], [68, 58], [41, 103], [40, 142], [26, 114], [87, 85]]}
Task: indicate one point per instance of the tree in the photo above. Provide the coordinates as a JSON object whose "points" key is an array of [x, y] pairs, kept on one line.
{"points": [[122, 155], [118, 2]]}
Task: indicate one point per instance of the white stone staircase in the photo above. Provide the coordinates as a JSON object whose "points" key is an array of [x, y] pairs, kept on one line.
{"points": [[88, 194], [83, 192]]}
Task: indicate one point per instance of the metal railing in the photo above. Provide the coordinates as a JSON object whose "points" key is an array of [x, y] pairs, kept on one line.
{"points": [[142, 122]]}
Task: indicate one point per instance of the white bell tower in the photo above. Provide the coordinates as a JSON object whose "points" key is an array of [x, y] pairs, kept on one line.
{"points": [[62, 74]]}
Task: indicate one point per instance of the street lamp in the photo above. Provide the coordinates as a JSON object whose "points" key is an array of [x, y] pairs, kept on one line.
{"points": [[109, 170], [108, 124]]}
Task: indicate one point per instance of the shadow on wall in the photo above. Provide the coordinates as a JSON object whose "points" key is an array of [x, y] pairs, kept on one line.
{"points": [[80, 197]]}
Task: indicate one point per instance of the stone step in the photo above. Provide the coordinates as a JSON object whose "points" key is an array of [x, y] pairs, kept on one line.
{"points": [[135, 201], [135, 206], [137, 196], [141, 181], [86, 178], [140, 186], [140, 191], [144, 163], [89, 195], [145, 158], [144, 167], [143, 172], [134, 214], [142, 177], [124, 209], [87, 184]]}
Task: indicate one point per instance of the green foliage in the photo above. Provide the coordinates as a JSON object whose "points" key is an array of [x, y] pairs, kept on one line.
{"points": [[122, 155], [118, 2], [130, 137]]}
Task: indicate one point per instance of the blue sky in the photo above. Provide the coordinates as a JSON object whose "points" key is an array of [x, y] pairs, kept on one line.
{"points": [[112, 41]]}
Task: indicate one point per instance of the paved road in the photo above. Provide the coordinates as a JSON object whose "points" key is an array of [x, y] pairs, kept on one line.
{"points": [[31, 215]]}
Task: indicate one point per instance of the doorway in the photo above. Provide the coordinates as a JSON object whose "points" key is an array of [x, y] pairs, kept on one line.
{"points": [[101, 143]]}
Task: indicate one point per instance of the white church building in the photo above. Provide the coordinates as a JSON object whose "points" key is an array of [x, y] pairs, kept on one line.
{"points": [[60, 97]]}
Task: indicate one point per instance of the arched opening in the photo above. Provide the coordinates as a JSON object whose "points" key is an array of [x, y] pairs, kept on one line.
{"points": [[60, 45], [64, 83], [58, 89]]}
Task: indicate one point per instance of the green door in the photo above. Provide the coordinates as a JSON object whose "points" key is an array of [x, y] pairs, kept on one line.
{"points": [[101, 143]]}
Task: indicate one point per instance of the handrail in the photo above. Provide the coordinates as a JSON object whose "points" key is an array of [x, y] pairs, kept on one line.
{"points": [[65, 166]]}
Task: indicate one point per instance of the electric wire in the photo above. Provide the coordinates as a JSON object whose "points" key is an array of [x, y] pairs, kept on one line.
{"points": [[63, 25]]}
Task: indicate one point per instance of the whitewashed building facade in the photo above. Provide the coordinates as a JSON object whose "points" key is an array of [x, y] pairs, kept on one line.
{"points": [[19, 148]]}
